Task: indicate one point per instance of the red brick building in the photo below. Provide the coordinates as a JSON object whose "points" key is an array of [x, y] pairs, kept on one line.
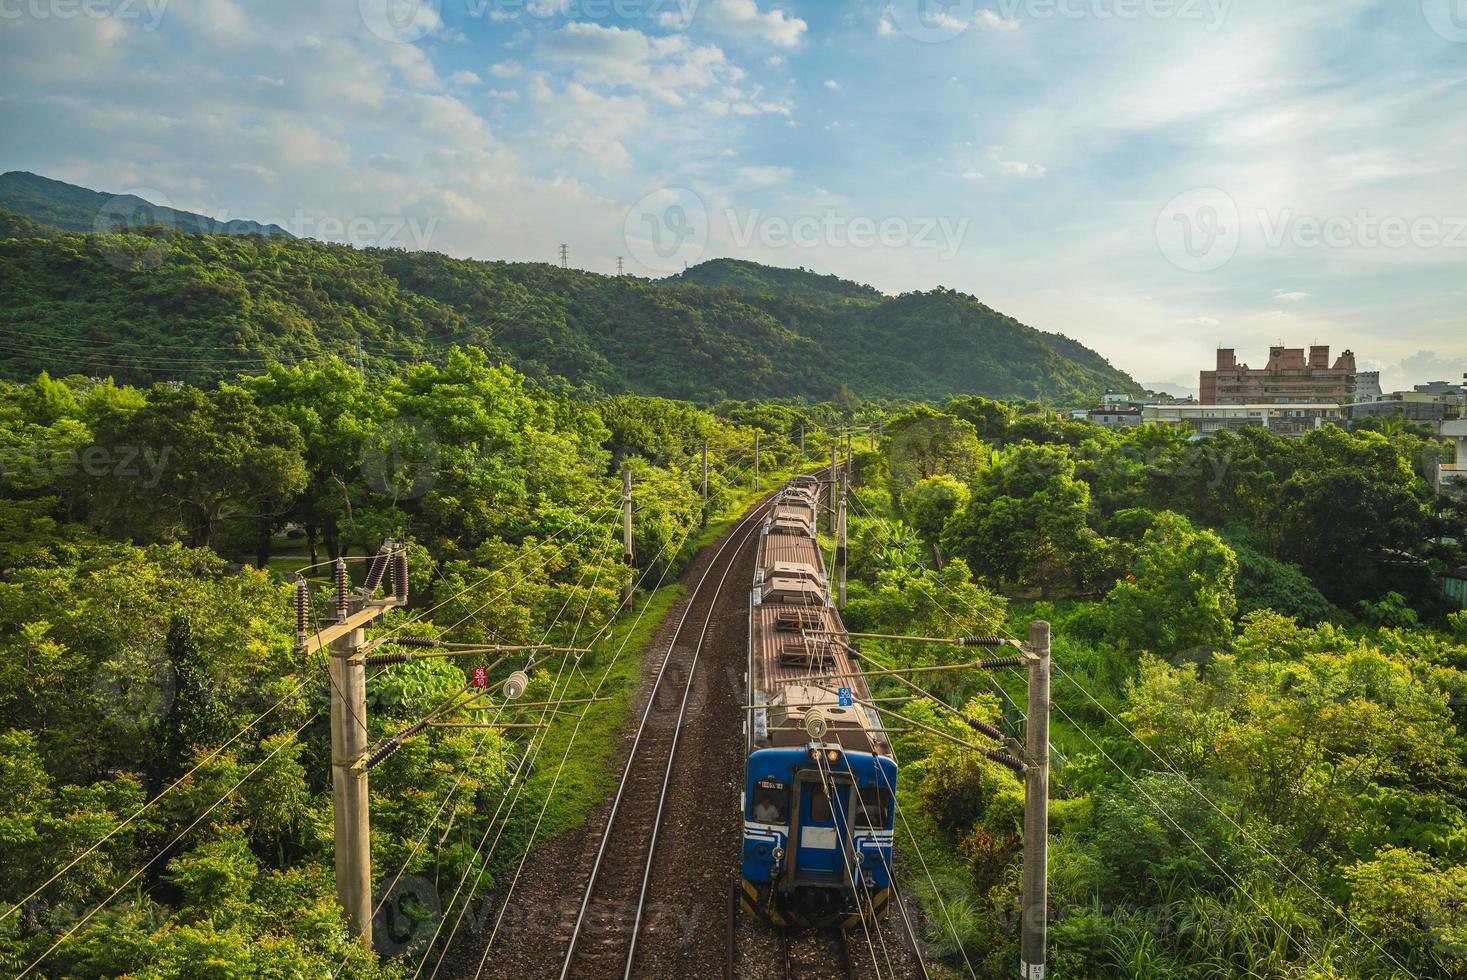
{"points": [[1288, 379]]}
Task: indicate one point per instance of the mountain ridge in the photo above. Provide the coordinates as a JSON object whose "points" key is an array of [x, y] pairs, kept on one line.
{"points": [[71, 207], [158, 303]]}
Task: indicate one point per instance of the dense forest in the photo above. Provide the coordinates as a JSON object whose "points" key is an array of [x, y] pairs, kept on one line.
{"points": [[165, 805], [146, 303], [1258, 693]]}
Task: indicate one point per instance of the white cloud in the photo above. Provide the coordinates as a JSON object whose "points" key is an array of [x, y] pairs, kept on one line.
{"points": [[464, 78], [832, 85], [990, 21], [506, 69], [974, 175], [1200, 321], [1289, 297], [1015, 168], [764, 176], [744, 19]]}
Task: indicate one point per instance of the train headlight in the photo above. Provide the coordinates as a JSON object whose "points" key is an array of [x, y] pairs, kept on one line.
{"points": [[832, 755]]}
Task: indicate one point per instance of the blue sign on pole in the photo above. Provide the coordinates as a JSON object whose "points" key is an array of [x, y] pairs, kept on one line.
{"points": [[846, 697]]}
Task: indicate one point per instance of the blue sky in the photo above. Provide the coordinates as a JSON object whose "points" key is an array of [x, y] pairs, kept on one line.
{"points": [[1152, 177]]}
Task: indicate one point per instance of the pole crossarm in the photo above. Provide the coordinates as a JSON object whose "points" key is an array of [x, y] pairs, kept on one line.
{"points": [[952, 641], [354, 621]]}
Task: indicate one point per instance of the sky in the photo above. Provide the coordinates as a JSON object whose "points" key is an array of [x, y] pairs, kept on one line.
{"points": [[1154, 178]]}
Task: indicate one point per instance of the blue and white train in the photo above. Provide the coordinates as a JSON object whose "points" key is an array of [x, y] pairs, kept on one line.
{"points": [[820, 784]]}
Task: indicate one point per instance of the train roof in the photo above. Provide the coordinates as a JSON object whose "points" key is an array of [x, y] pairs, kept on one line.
{"points": [[798, 654]]}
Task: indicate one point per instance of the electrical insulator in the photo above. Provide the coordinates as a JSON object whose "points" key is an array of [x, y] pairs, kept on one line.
{"points": [[1005, 760], [375, 570], [417, 641], [343, 585], [815, 725], [515, 684], [982, 641], [400, 576], [387, 659], [984, 727], [1001, 662], [302, 609]]}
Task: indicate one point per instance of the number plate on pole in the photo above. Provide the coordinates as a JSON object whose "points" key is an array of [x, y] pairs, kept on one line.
{"points": [[481, 676], [846, 696]]}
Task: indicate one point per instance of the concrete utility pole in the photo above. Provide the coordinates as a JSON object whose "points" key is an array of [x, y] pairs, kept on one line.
{"points": [[756, 460], [349, 776], [840, 546], [802, 442], [350, 801], [1035, 925], [834, 468], [705, 483], [626, 532]]}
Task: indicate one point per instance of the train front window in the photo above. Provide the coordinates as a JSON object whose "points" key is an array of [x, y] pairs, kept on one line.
{"points": [[874, 809], [771, 802]]}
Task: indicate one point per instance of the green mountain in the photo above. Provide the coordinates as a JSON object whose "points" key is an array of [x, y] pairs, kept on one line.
{"points": [[164, 305], [751, 277], [73, 208]]}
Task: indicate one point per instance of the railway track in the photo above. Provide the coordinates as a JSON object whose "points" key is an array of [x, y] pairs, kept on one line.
{"points": [[817, 955], [602, 940]]}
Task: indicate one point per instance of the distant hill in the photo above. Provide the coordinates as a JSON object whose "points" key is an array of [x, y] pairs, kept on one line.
{"points": [[751, 277], [163, 305], [72, 208]]}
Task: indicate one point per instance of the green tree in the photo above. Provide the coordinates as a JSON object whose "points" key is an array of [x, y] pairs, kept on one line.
{"points": [[925, 443], [1180, 593], [1026, 522], [931, 503], [197, 459]]}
